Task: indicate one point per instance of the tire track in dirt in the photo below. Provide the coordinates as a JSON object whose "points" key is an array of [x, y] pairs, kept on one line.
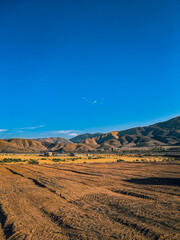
{"points": [[74, 232], [74, 171], [64, 178], [66, 229], [146, 232], [133, 194], [8, 228], [37, 183], [125, 216], [12, 232], [108, 208]]}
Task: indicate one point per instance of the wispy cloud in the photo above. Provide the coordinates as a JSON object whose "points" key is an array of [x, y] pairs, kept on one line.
{"points": [[57, 133], [66, 132], [3, 130], [93, 101], [73, 134], [31, 128], [63, 131]]}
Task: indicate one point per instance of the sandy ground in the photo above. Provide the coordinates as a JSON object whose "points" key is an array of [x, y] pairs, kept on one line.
{"points": [[90, 201]]}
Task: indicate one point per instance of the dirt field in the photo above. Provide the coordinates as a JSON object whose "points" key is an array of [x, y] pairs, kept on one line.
{"points": [[90, 201]]}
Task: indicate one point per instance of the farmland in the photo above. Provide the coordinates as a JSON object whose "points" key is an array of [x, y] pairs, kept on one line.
{"points": [[102, 200]]}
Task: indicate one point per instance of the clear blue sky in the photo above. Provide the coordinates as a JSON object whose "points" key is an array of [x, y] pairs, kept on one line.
{"points": [[74, 66]]}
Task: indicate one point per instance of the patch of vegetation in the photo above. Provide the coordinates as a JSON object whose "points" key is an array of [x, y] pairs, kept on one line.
{"points": [[10, 160], [98, 157], [73, 159], [33, 161], [58, 160], [120, 160]]}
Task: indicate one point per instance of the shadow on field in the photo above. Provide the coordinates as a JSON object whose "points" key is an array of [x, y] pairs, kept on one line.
{"points": [[155, 181]]}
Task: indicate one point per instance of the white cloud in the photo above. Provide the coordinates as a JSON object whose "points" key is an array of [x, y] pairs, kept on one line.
{"points": [[94, 101], [66, 132], [31, 128], [73, 134], [3, 130]]}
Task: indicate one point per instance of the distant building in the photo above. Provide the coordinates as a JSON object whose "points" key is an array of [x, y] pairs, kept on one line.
{"points": [[90, 155]]}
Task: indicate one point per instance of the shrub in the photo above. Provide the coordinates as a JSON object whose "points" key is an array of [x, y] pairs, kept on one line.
{"points": [[120, 160], [33, 161], [10, 160], [58, 160]]}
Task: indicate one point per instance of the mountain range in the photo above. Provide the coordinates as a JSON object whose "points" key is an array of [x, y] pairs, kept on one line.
{"points": [[165, 133], [82, 137]]}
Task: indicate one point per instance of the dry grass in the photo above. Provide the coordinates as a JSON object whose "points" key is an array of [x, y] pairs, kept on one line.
{"points": [[90, 201], [97, 158]]}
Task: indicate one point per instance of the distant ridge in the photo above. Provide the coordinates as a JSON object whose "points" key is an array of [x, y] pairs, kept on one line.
{"points": [[53, 140], [16, 145], [160, 134], [82, 137], [165, 133]]}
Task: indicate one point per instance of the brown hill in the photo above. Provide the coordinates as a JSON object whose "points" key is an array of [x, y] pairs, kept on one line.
{"points": [[160, 134], [53, 140], [18, 145], [70, 147], [21, 145], [82, 137]]}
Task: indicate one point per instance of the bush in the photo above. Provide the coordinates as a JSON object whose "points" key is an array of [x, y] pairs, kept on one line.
{"points": [[10, 160], [120, 160], [58, 160], [33, 161]]}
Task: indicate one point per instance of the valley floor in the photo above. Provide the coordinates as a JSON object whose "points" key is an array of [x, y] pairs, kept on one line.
{"points": [[90, 201]]}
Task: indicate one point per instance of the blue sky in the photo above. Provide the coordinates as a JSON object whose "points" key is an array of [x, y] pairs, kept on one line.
{"points": [[69, 67]]}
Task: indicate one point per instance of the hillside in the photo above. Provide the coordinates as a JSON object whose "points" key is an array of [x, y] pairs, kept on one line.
{"points": [[82, 137], [21, 145], [17, 145], [53, 140], [160, 134]]}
